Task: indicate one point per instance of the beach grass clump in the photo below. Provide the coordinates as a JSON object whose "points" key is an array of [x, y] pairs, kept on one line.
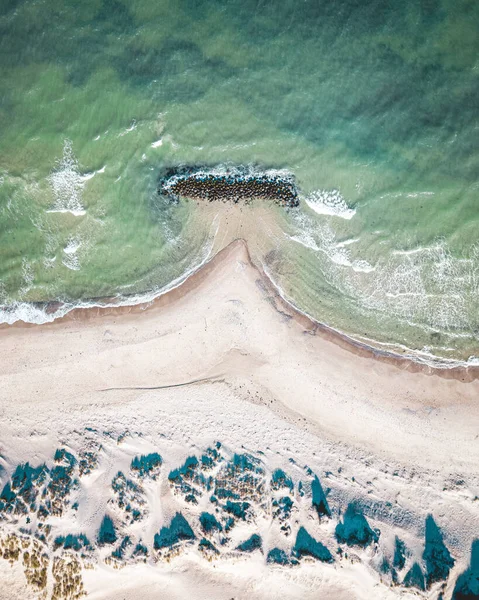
{"points": [[147, 465], [35, 564], [400, 554], [88, 462], [208, 549], [63, 456], [253, 543], [26, 479], [209, 523], [68, 582], [10, 547], [279, 557], [415, 578], [75, 542], [107, 532], [354, 530], [467, 584], [319, 501], [61, 482], [282, 508], [140, 550], [178, 530], [279, 480], [119, 552], [189, 481], [241, 478], [128, 496], [8, 495], [211, 457], [436, 556], [306, 545], [239, 510], [20, 494]]}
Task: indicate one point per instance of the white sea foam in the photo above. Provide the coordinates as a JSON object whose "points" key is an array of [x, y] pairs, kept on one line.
{"points": [[421, 356], [419, 194], [362, 266], [169, 140], [72, 246], [34, 313], [329, 202], [49, 261], [26, 312], [128, 129], [423, 287], [157, 144], [67, 184], [27, 272], [72, 262], [305, 240], [70, 258], [28, 277], [321, 238], [88, 176], [347, 242]]}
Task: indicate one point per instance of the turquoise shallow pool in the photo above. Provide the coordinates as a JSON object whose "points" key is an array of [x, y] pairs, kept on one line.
{"points": [[372, 105]]}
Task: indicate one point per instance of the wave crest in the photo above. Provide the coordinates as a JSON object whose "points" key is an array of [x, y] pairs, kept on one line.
{"points": [[67, 183], [329, 202]]}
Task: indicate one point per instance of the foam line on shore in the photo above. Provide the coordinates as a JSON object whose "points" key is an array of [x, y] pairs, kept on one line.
{"points": [[193, 279], [420, 361]]}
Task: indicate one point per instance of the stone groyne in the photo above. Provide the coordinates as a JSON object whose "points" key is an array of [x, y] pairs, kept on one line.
{"points": [[228, 185]]}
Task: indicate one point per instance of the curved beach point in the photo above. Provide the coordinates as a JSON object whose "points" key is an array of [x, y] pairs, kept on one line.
{"points": [[235, 328]]}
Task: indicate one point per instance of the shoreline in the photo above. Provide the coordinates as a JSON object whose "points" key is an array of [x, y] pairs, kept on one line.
{"points": [[236, 333], [191, 281]]}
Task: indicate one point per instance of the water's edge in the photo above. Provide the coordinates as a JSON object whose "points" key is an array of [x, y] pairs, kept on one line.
{"points": [[411, 360]]}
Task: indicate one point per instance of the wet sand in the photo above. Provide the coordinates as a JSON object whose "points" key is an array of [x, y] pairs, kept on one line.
{"points": [[460, 372]]}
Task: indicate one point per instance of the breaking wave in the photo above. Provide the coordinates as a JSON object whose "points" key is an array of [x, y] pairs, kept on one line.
{"points": [[41, 313], [422, 356], [67, 184], [426, 287], [70, 258], [321, 238], [329, 202]]}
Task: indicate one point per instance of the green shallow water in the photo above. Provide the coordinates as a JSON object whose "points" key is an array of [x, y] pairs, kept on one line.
{"points": [[374, 99]]}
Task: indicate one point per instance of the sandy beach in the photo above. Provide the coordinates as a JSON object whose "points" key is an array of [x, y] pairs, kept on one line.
{"points": [[223, 356], [227, 323], [239, 300]]}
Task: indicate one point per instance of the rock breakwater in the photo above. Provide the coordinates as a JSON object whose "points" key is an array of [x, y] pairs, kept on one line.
{"points": [[228, 185]]}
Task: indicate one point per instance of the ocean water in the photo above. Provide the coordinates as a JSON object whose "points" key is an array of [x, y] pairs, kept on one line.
{"points": [[373, 106]]}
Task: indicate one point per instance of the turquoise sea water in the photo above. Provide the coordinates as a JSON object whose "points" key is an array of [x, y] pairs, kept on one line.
{"points": [[372, 105]]}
